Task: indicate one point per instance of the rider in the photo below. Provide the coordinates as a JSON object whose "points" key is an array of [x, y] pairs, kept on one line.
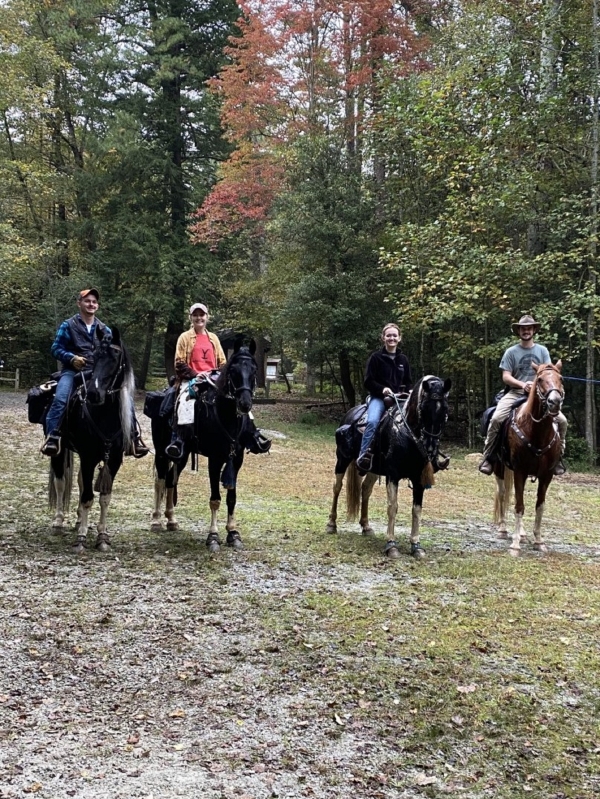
{"points": [[74, 346], [518, 375], [197, 354]]}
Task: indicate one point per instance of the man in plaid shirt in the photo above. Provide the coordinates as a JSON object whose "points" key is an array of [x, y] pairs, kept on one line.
{"points": [[74, 346]]}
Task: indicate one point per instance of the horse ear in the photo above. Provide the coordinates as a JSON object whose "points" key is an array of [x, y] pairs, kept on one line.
{"points": [[447, 385], [535, 366], [115, 338], [558, 365], [252, 346]]}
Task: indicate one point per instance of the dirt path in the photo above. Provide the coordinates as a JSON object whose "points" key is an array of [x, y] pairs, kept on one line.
{"points": [[159, 672]]}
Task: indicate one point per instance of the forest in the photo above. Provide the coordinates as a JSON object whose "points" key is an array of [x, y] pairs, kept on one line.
{"points": [[310, 170]]}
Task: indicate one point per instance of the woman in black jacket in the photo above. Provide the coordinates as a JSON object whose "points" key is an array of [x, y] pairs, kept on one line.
{"points": [[387, 373]]}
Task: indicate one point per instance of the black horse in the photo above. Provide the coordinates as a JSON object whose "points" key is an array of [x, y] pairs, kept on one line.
{"points": [[407, 445], [98, 426], [222, 427]]}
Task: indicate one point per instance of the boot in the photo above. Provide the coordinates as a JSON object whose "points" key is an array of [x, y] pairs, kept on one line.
{"points": [[441, 462], [560, 468], [139, 449], [364, 462], [486, 467], [51, 446]]}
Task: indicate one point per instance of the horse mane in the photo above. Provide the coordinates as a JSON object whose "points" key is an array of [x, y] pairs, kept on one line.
{"points": [[127, 393]]}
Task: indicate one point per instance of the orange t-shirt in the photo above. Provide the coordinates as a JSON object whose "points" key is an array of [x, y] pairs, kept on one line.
{"points": [[203, 355]]}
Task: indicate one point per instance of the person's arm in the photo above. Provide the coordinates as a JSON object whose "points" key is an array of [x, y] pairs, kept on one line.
{"points": [[407, 375], [373, 382], [61, 347], [512, 382]]}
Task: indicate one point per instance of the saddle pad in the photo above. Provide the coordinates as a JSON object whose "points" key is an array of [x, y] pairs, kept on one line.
{"points": [[185, 405]]}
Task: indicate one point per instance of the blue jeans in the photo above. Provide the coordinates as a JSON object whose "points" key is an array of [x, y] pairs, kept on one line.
{"points": [[61, 398], [375, 410], [64, 389]]}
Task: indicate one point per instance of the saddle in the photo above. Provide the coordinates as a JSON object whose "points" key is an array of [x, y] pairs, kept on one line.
{"points": [[39, 398]]}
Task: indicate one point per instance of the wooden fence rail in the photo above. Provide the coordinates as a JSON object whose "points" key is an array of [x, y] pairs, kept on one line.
{"points": [[10, 377]]}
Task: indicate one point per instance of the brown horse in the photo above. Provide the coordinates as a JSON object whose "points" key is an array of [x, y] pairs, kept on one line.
{"points": [[531, 448]]}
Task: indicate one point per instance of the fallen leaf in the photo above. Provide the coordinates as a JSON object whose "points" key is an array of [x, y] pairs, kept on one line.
{"points": [[33, 788], [339, 720], [424, 779], [466, 689], [178, 713]]}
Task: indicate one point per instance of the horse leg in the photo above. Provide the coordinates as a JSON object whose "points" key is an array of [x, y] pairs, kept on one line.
{"points": [[234, 539], [391, 548], [539, 544], [213, 542], [159, 495], [519, 532], [57, 492], [171, 493], [365, 495], [416, 550], [86, 498], [104, 486], [500, 507], [337, 490]]}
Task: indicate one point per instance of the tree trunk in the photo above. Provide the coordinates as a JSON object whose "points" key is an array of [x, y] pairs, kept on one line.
{"points": [[145, 365], [346, 378]]}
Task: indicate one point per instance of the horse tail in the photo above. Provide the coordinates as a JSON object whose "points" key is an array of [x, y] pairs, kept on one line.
{"points": [[353, 486], [502, 501], [67, 477], [104, 481]]}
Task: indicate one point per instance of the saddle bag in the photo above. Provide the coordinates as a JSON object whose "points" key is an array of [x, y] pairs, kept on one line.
{"points": [[39, 399], [153, 403], [347, 439]]}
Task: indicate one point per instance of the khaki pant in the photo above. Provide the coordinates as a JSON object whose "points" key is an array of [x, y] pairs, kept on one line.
{"points": [[503, 411]]}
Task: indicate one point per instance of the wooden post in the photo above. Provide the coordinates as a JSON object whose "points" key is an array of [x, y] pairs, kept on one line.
{"points": [[16, 379]]}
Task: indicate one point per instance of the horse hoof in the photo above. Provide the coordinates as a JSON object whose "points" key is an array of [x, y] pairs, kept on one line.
{"points": [[58, 529], [103, 544], [213, 542], [234, 540], [331, 528], [392, 553], [514, 551], [172, 527], [502, 535], [540, 547], [156, 527], [368, 531], [417, 551], [79, 547]]}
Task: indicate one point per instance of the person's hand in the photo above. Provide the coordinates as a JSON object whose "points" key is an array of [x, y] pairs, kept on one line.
{"points": [[388, 391], [527, 386], [78, 362]]}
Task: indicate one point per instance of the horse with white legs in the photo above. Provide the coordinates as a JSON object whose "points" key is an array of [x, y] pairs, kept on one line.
{"points": [[98, 426], [222, 430], [531, 447], [407, 445]]}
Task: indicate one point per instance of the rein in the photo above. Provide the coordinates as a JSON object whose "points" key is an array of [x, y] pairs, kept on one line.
{"points": [[544, 402], [400, 421]]}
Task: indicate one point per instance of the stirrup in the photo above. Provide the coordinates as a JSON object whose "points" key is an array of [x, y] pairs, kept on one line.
{"points": [[51, 446], [364, 463], [174, 450]]}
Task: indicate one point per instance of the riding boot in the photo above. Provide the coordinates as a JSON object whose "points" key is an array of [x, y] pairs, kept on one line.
{"points": [[52, 445], [560, 468], [365, 462], [139, 449], [486, 467], [441, 462]]}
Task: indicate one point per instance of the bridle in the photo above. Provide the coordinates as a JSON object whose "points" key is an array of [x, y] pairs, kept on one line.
{"points": [[544, 398], [427, 440], [249, 383]]}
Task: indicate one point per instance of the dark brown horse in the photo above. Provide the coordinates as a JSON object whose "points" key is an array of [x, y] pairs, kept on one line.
{"points": [[531, 448]]}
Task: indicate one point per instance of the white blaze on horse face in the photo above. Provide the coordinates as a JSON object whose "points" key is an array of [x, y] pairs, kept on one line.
{"points": [[96, 383]]}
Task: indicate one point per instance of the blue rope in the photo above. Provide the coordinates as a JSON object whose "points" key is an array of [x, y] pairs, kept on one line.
{"points": [[581, 379]]}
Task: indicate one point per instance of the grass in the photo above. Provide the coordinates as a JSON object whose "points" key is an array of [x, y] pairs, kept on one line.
{"points": [[470, 673]]}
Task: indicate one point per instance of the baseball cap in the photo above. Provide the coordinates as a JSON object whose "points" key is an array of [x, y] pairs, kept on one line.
{"points": [[198, 306], [84, 292]]}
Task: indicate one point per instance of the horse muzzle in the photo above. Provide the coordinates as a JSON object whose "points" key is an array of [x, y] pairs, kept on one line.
{"points": [[554, 402]]}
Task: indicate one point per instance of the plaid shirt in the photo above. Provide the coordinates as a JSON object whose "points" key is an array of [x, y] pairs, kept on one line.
{"points": [[63, 347]]}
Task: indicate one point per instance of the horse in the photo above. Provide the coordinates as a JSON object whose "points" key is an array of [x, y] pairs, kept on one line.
{"points": [[222, 419], [407, 444], [530, 447], [98, 426]]}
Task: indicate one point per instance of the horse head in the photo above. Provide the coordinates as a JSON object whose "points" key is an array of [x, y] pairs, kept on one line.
{"points": [[111, 367], [240, 376], [432, 411], [548, 387]]}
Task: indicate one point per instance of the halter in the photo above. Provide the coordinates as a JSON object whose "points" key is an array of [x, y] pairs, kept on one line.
{"points": [[232, 391]]}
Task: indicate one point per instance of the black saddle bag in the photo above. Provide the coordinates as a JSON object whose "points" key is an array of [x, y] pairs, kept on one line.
{"points": [[152, 403], [39, 399]]}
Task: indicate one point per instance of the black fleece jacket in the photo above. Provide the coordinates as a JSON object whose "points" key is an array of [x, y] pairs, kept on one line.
{"points": [[384, 371]]}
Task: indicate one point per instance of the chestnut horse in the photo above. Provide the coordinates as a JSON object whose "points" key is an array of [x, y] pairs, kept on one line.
{"points": [[531, 448]]}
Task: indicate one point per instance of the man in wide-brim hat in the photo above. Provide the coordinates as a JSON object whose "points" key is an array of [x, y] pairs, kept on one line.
{"points": [[518, 375]]}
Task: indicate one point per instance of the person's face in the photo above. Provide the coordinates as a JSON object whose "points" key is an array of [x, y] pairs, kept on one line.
{"points": [[199, 318], [391, 338], [526, 332], [88, 305]]}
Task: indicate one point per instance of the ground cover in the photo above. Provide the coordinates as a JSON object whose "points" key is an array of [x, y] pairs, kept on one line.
{"points": [[308, 665]]}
